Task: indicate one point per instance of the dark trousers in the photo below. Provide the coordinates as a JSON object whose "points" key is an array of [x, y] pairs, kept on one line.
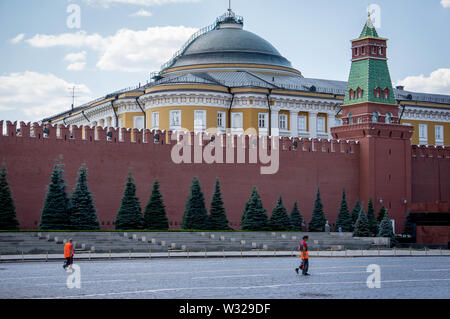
{"points": [[304, 266], [68, 262]]}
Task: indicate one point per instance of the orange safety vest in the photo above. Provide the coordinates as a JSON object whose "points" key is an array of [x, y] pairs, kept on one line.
{"points": [[68, 250], [303, 254]]}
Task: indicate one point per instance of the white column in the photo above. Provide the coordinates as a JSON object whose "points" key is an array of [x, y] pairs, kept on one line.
{"points": [[331, 122], [275, 121], [294, 123], [313, 124]]}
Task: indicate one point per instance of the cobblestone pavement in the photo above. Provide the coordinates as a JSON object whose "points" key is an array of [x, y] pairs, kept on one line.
{"points": [[247, 278]]}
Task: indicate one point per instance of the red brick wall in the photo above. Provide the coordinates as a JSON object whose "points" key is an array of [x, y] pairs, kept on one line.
{"points": [[30, 161], [436, 235], [430, 174]]}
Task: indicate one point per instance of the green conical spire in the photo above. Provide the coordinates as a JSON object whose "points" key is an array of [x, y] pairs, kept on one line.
{"points": [[369, 30]]}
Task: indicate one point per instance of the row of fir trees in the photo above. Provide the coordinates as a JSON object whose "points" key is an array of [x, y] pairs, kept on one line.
{"points": [[78, 212]]}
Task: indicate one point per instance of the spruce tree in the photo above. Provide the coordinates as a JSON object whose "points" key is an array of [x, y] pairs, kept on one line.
{"points": [[8, 219], [373, 224], [318, 221], [155, 217], [344, 219], [355, 214], [195, 216], [255, 216], [362, 226], [83, 215], [296, 218], [56, 211], [217, 219], [279, 220], [386, 229], [129, 216], [381, 214]]}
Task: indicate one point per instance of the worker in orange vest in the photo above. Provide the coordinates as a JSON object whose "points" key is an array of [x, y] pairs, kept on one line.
{"points": [[68, 254], [304, 255]]}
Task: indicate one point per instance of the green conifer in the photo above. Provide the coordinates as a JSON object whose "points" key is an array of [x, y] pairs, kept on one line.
{"points": [[381, 214], [362, 226], [8, 220], [386, 229], [279, 220], [344, 219], [195, 216], [296, 218], [218, 219], [155, 217], [355, 214], [83, 216], [255, 216], [129, 216], [56, 211], [318, 221]]}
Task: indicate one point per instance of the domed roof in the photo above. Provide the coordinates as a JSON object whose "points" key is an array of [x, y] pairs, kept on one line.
{"points": [[228, 43]]}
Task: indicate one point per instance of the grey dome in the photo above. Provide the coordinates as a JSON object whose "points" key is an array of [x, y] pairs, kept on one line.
{"points": [[231, 45]]}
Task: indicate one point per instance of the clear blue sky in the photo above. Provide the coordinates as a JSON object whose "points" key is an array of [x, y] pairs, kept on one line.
{"points": [[314, 35]]}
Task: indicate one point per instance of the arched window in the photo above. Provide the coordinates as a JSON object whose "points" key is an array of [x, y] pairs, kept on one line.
{"points": [[350, 119], [351, 94], [386, 94], [359, 93], [377, 93], [375, 117], [388, 118]]}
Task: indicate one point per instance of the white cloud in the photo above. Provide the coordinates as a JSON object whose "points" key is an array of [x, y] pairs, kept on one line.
{"points": [[145, 3], [437, 82], [445, 3], [76, 57], [34, 96], [17, 39], [127, 50], [77, 66], [141, 13]]}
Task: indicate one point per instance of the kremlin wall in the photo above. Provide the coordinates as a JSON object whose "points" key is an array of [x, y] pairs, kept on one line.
{"points": [[329, 164]]}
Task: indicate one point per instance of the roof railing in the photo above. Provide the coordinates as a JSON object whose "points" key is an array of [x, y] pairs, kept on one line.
{"points": [[227, 17]]}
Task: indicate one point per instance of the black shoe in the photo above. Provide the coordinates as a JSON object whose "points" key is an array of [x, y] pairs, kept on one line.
{"points": [[306, 274], [296, 270]]}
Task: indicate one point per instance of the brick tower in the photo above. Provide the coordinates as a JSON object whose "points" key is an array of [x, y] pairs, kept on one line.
{"points": [[370, 115]]}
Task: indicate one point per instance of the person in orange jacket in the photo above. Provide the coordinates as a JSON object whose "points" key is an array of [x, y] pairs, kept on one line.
{"points": [[68, 254], [304, 255]]}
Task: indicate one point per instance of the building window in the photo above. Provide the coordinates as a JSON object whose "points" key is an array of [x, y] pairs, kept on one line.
{"points": [[221, 119], [237, 121], [374, 49], [423, 134], [359, 93], [283, 122], [175, 120], [439, 135], [200, 121], [386, 94], [380, 51], [262, 120], [302, 124], [138, 122], [351, 94], [363, 50], [356, 51], [350, 119], [388, 119], [320, 124], [155, 120], [377, 93], [375, 117]]}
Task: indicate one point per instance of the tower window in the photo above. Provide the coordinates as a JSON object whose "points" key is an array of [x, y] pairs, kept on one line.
{"points": [[375, 117], [377, 93], [386, 94], [388, 119], [351, 94], [363, 50], [359, 93], [350, 118], [380, 51]]}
